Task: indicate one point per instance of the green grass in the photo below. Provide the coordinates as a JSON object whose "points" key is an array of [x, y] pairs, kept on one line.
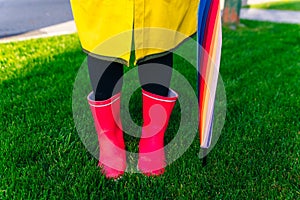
{"points": [[256, 157], [282, 5]]}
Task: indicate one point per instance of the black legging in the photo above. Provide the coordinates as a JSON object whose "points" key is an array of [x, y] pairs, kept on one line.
{"points": [[154, 76]]}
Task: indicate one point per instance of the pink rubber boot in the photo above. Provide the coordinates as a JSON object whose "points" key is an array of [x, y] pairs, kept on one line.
{"points": [[156, 113], [108, 125]]}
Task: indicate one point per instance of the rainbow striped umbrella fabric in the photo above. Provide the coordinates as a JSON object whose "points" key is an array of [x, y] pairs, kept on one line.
{"points": [[209, 53]]}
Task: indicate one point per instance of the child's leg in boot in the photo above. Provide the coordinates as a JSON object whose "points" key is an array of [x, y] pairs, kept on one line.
{"points": [[106, 79], [158, 103]]}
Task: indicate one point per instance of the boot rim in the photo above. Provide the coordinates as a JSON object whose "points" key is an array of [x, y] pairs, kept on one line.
{"points": [[172, 96], [107, 102]]}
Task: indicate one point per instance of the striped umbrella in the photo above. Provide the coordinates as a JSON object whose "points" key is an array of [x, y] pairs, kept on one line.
{"points": [[209, 54]]}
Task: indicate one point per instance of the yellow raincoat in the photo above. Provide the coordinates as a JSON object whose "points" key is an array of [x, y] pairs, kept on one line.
{"points": [[112, 28]]}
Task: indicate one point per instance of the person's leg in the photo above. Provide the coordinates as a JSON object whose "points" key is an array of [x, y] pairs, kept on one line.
{"points": [[155, 74], [105, 107], [106, 77], [158, 103]]}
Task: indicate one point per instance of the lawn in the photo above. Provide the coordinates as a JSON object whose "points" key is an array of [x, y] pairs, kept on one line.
{"points": [[256, 157], [282, 5]]}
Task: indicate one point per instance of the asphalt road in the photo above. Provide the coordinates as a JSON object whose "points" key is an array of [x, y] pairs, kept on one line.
{"points": [[20, 16]]}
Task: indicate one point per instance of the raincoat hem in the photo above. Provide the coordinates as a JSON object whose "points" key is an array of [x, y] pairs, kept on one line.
{"points": [[107, 58], [157, 55]]}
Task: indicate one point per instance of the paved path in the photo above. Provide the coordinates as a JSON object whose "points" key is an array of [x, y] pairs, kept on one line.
{"points": [[250, 2], [69, 27], [20, 16], [292, 17]]}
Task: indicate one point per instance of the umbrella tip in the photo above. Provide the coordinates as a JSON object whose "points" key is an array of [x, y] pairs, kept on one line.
{"points": [[204, 161]]}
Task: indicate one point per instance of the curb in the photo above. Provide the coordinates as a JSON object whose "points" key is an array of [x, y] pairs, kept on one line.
{"points": [[55, 30]]}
